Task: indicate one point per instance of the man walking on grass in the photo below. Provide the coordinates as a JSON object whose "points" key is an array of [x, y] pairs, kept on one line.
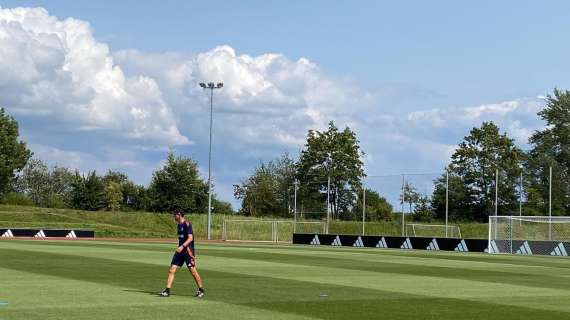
{"points": [[184, 254]]}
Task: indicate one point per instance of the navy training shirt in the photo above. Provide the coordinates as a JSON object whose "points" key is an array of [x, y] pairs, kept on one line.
{"points": [[184, 230]]}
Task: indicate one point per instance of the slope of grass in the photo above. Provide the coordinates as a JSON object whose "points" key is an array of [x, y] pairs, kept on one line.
{"points": [[106, 280], [146, 224]]}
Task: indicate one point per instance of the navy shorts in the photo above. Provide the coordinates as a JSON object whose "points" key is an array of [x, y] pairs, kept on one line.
{"points": [[184, 257]]}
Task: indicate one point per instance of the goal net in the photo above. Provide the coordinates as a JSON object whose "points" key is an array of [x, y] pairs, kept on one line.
{"points": [[268, 230], [248, 230], [432, 230], [529, 235]]}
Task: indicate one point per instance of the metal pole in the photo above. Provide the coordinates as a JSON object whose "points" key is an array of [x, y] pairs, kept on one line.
{"points": [[550, 206], [328, 203], [210, 166], [520, 194], [295, 209], [363, 206], [496, 192], [403, 198], [446, 200]]}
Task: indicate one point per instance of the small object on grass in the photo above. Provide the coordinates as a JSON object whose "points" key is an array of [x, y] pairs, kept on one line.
{"points": [[323, 295], [3, 303]]}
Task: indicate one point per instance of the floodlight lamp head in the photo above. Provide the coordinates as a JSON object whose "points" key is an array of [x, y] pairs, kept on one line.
{"points": [[202, 85], [210, 85], [219, 85]]}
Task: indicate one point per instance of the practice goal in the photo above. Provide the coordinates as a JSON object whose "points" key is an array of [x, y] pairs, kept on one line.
{"points": [[268, 230], [432, 230]]}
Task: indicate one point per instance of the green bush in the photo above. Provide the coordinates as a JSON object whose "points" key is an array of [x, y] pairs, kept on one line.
{"points": [[17, 199]]}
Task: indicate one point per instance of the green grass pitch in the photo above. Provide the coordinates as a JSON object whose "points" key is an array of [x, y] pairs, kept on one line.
{"points": [[120, 280]]}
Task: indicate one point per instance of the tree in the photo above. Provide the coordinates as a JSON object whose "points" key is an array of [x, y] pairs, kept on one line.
{"points": [[269, 189], [178, 186], [377, 207], [88, 192], [330, 154], [113, 195], [45, 187], [423, 211], [550, 147], [13, 153], [411, 196], [472, 175]]}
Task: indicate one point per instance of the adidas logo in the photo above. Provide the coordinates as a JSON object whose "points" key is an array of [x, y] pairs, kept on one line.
{"points": [[315, 241], [559, 250], [40, 234], [382, 243], [71, 234], [358, 242], [432, 245], [407, 244], [336, 242], [525, 249], [492, 247], [8, 234], [462, 246]]}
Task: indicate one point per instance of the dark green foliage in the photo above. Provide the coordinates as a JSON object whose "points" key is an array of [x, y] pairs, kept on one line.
{"points": [[88, 193], [472, 175], [269, 191], [330, 154], [377, 207], [178, 186], [13, 153], [550, 148]]}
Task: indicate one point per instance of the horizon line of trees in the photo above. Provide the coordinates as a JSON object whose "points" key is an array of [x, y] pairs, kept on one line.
{"points": [[25, 180], [327, 177]]}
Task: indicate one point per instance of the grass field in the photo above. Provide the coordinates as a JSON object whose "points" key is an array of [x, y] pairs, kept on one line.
{"points": [[119, 280]]}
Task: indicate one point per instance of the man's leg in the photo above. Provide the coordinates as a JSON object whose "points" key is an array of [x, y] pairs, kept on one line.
{"points": [[169, 281], [196, 276], [171, 273]]}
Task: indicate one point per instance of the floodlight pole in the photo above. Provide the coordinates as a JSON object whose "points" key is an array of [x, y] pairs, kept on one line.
{"points": [[210, 86]]}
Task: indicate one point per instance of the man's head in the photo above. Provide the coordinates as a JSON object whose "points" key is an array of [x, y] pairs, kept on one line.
{"points": [[178, 216]]}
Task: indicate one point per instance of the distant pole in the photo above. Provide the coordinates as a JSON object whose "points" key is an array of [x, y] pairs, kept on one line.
{"points": [[363, 206], [520, 194], [295, 209], [496, 192], [446, 200], [550, 206], [328, 203], [210, 86], [403, 198]]}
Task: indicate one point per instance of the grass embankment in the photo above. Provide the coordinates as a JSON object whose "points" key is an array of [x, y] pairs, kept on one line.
{"points": [[154, 225]]}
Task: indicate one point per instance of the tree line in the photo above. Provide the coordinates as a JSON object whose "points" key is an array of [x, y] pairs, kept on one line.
{"points": [[26, 180], [327, 176]]}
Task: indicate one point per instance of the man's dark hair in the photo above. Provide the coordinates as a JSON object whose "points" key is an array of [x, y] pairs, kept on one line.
{"points": [[179, 212]]}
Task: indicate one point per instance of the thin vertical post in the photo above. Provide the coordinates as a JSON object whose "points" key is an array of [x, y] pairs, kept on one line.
{"points": [[328, 203], [363, 207], [496, 191], [210, 165], [511, 232], [295, 209], [403, 199], [446, 200], [550, 206], [520, 194]]}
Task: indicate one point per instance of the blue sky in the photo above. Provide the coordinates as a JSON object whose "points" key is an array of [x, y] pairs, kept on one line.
{"points": [[411, 77]]}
